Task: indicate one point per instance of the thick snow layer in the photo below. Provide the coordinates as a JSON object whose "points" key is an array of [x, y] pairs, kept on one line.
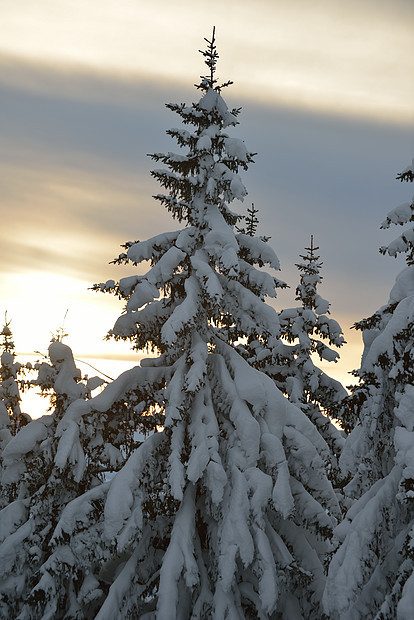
{"points": [[258, 250], [206, 275], [203, 143], [237, 187], [11, 517], [174, 393], [179, 558], [164, 269], [399, 215], [235, 148], [184, 315], [348, 571], [144, 293], [258, 279], [126, 285], [4, 416], [403, 243], [186, 238], [66, 383], [404, 285], [384, 341], [328, 354], [124, 383], [143, 250], [212, 102], [263, 315], [27, 438], [123, 503], [93, 383], [234, 532], [70, 451], [220, 236], [321, 305], [405, 409], [9, 553], [78, 510], [119, 594]]}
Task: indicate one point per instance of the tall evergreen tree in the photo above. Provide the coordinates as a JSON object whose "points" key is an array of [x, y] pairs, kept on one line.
{"points": [[224, 509], [371, 574]]}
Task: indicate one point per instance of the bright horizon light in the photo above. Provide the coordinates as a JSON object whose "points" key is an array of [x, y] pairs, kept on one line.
{"points": [[44, 303]]}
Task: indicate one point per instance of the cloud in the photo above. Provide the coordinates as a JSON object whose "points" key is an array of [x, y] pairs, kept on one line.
{"points": [[70, 221], [75, 177], [334, 178], [329, 54], [74, 172], [75, 184]]}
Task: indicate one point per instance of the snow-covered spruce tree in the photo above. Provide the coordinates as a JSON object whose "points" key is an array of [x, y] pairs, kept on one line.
{"points": [[11, 379], [37, 489], [251, 220], [223, 512], [371, 574], [290, 362], [11, 382]]}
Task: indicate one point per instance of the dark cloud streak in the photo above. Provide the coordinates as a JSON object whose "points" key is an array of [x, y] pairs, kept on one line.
{"points": [[326, 175]]}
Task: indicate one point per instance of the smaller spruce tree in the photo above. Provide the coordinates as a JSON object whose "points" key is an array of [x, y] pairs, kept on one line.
{"points": [[11, 383], [371, 574], [36, 576], [289, 359]]}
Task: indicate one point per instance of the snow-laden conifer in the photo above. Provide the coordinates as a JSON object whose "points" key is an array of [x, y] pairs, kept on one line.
{"points": [[11, 380], [224, 509], [307, 332], [12, 418], [371, 574], [37, 576]]}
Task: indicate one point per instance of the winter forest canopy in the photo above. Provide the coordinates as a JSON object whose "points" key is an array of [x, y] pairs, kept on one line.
{"points": [[227, 475]]}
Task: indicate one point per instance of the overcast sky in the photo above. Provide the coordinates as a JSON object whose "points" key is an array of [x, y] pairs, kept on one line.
{"points": [[327, 89]]}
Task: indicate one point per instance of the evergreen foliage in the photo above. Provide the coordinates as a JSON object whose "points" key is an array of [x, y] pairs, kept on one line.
{"points": [[289, 359], [371, 574], [36, 491], [11, 376], [306, 328], [252, 221], [50, 462], [225, 510], [203, 483]]}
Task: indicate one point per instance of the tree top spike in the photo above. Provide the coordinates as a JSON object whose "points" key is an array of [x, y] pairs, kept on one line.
{"points": [[211, 56], [312, 248]]}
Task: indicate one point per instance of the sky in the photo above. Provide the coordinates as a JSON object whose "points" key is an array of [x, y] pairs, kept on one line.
{"points": [[327, 90]]}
